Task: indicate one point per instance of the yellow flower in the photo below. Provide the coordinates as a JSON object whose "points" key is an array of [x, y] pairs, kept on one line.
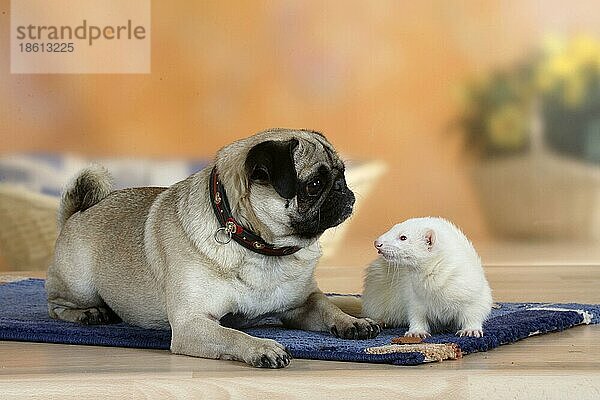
{"points": [[584, 50], [566, 64], [507, 127]]}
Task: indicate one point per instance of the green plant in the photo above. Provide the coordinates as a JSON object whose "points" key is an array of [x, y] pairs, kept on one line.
{"points": [[563, 77]]}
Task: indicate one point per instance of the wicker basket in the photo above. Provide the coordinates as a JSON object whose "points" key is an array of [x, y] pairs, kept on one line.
{"points": [[28, 220], [541, 195], [27, 227]]}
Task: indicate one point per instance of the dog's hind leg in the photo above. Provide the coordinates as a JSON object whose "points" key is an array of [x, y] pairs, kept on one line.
{"points": [[76, 302], [88, 316]]}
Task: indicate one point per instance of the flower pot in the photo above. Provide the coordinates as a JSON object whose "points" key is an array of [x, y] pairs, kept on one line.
{"points": [[540, 195]]}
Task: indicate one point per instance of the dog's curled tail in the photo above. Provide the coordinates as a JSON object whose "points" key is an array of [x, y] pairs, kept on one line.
{"points": [[89, 187]]}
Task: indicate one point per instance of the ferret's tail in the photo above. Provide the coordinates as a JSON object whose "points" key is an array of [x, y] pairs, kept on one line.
{"points": [[89, 187]]}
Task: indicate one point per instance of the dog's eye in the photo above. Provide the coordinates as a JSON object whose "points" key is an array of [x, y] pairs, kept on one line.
{"points": [[402, 237], [313, 188]]}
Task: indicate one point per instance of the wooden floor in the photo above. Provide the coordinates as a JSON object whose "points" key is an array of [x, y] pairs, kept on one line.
{"points": [[560, 365]]}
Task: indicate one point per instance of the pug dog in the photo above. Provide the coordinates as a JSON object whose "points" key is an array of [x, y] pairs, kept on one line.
{"points": [[236, 241]]}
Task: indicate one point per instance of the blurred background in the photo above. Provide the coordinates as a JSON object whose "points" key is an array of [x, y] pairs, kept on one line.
{"points": [[483, 112]]}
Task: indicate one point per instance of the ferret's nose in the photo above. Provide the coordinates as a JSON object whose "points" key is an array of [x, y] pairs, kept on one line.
{"points": [[378, 244]]}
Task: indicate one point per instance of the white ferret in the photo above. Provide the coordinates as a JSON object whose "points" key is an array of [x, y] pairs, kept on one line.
{"points": [[428, 277]]}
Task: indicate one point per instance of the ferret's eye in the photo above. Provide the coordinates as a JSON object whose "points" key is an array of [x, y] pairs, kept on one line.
{"points": [[402, 237]]}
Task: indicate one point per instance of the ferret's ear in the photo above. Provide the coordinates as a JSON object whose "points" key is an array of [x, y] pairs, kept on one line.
{"points": [[430, 238]]}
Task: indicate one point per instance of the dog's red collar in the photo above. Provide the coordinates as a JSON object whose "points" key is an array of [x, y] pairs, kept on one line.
{"points": [[231, 229]]}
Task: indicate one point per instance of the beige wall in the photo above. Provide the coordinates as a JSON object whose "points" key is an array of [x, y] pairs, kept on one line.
{"points": [[380, 78]]}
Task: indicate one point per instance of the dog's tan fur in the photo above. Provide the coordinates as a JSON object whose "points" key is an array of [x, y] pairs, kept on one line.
{"points": [[148, 254]]}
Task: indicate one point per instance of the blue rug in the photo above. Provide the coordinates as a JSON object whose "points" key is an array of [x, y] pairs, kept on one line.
{"points": [[24, 317]]}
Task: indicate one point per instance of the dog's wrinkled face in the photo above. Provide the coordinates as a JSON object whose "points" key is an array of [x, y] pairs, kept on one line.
{"points": [[297, 186]]}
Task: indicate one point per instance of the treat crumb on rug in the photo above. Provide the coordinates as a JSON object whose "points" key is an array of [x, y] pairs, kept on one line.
{"points": [[432, 351]]}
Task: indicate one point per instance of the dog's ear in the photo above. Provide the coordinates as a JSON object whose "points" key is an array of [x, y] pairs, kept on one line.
{"points": [[273, 162]]}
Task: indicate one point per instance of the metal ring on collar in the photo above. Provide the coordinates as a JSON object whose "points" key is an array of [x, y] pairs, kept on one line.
{"points": [[226, 231]]}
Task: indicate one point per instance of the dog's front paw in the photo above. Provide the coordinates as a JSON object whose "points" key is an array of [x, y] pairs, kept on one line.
{"points": [[355, 328], [267, 353], [470, 332], [417, 333]]}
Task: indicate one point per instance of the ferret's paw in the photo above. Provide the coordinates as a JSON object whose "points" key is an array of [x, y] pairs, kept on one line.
{"points": [[418, 333], [470, 333]]}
